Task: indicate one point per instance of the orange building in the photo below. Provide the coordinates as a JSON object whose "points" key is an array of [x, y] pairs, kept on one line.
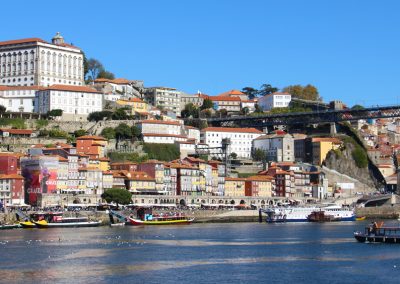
{"points": [[94, 146]]}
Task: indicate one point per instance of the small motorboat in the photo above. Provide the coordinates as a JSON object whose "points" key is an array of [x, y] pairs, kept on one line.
{"points": [[9, 226], [27, 224], [361, 218], [377, 233]]}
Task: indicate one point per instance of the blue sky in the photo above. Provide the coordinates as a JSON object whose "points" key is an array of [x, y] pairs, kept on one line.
{"points": [[348, 49]]}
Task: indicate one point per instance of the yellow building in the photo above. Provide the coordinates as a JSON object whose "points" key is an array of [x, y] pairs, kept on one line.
{"points": [[321, 147], [136, 105], [259, 185], [235, 186], [141, 183]]}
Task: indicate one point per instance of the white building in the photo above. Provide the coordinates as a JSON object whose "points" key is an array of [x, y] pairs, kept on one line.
{"points": [[241, 139], [19, 98], [274, 100], [160, 127], [277, 147], [163, 138], [165, 98], [33, 61], [119, 86], [75, 101]]}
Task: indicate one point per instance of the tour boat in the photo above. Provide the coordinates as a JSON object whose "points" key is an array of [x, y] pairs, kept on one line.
{"points": [[300, 214], [146, 217], [68, 222], [377, 233], [168, 220]]}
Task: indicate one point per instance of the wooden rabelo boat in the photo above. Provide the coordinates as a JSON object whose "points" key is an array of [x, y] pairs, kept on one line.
{"points": [[321, 216], [146, 217], [378, 233]]}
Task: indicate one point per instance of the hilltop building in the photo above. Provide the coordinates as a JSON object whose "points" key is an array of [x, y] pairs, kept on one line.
{"points": [[35, 62]]}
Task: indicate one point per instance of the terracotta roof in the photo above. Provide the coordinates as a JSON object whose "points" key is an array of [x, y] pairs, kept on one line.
{"points": [[118, 81], [82, 89], [11, 176], [24, 40], [232, 92], [148, 121], [17, 131], [17, 88], [260, 178], [139, 176], [225, 98], [190, 127], [68, 45], [91, 137], [231, 129]]}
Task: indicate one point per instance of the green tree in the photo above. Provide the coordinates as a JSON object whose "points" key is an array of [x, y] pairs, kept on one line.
{"points": [[245, 111], [80, 132], [257, 109], [266, 89], [94, 67], [136, 132], [85, 65], [360, 157], [2, 109], [123, 131], [100, 115], [120, 114], [108, 133], [233, 156], [259, 155], [207, 103], [106, 75], [190, 110], [357, 107], [117, 195], [308, 92], [55, 112], [250, 92]]}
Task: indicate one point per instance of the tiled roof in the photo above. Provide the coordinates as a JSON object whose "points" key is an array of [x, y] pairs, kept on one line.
{"points": [[120, 81], [81, 89], [16, 88], [224, 98], [91, 137], [234, 179], [327, 139], [232, 92], [260, 178], [233, 130], [24, 40], [17, 131]]}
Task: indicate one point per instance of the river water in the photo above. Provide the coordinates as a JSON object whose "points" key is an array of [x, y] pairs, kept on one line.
{"points": [[197, 253]]}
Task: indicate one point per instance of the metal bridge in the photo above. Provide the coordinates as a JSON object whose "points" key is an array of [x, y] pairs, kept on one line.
{"points": [[306, 118]]}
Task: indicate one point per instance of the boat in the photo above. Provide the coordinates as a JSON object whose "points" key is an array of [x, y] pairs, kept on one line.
{"points": [[361, 218], [121, 219], [321, 216], [145, 217], [300, 214], [378, 233], [27, 224], [9, 226], [66, 222]]}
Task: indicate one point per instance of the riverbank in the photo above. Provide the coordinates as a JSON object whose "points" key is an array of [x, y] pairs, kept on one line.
{"points": [[223, 216]]}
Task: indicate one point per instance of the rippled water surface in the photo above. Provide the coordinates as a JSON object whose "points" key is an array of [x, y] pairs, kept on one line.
{"points": [[198, 253]]}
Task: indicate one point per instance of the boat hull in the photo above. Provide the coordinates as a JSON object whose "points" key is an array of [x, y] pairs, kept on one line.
{"points": [[27, 225], [362, 238], [68, 225], [137, 222], [9, 227]]}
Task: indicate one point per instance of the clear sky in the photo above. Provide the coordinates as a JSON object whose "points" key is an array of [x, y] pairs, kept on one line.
{"points": [[350, 50]]}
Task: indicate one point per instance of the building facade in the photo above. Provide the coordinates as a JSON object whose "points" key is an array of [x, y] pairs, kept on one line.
{"points": [[33, 61], [274, 100], [76, 102], [165, 98], [19, 98]]}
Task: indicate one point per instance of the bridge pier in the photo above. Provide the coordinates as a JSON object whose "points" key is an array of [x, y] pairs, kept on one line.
{"points": [[333, 128]]}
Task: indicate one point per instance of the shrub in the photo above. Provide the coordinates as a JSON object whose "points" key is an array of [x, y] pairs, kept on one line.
{"points": [[360, 157], [161, 152]]}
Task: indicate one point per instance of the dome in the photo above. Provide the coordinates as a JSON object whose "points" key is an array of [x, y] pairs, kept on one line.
{"points": [[57, 39]]}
